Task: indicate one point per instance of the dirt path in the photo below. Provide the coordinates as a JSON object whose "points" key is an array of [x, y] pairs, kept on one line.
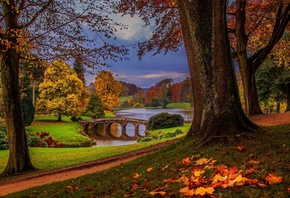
{"points": [[20, 183], [24, 182]]}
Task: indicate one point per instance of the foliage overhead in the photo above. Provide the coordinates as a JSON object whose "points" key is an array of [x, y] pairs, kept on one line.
{"points": [[62, 91], [64, 29]]}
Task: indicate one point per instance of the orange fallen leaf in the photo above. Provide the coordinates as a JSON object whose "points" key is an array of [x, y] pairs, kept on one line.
{"points": [[240, 148], [202, 191], [135, 185], [254, 162], [153, 193], [187, 161], [187, 192], [288, 189], [272, 178], [202, 161], [149, 169], [136, 175]]}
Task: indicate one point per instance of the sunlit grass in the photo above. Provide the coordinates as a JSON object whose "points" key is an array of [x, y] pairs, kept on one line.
{"points": [[53, 158], [181, 105]]}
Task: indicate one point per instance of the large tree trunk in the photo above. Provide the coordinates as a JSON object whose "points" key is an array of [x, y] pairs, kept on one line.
{"points": [[19, 160], [217, 107]]}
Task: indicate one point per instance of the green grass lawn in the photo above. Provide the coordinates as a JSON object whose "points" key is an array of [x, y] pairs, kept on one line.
{"points": [[123, 99], [65, 131], [167, 171], [181, 105], [53, 158]]}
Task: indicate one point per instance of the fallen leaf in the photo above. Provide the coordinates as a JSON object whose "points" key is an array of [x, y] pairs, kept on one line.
{"points": [[272, 178], [187, 161], [149, 169], [254, 162], [202, 191], [240, 148], [162, 193], [136, 175], [198, 173], [218, 178], [187, 192], [202, 161]]}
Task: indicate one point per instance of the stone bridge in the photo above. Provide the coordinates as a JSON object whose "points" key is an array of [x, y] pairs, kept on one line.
{"points": [[114, 128]]}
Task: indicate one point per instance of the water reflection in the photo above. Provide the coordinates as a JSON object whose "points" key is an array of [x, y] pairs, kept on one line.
{"points": [[114, 142], [145, 114]]}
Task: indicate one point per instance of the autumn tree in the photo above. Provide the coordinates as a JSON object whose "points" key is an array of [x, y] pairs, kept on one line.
{"points": [[52, 29], [217, 107], [257, 27], [61, 92], [108, 89]]}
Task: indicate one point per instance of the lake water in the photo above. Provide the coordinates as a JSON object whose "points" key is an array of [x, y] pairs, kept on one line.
{"points": [[144, 114]]}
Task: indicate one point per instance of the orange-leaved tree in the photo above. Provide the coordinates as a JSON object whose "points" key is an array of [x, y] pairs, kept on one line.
{"points": [[52, 29], [108, 89]]}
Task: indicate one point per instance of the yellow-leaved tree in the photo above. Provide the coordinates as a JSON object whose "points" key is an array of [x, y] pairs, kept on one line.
{"points": [[108, 89], [61, 92]]}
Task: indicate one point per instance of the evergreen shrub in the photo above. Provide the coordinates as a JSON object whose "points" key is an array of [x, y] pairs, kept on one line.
{"points": [[3, 139], [165, 120]]}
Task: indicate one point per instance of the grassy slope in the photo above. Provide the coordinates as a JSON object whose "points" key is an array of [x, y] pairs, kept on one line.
{"points": [[53, 158], [65, 131], [271, 150]]}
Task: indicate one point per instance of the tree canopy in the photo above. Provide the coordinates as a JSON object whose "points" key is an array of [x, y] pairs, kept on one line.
{"points": [[108, 89], [61, 91]]}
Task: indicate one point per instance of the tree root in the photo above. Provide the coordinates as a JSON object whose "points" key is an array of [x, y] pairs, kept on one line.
{"points": [[228, 138]]}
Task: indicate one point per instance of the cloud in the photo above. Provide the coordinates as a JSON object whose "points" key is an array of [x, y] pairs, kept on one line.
{"points": [[135, 31]]}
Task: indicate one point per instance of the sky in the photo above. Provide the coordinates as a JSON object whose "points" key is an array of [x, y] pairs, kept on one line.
{"points": [[150, 69]]}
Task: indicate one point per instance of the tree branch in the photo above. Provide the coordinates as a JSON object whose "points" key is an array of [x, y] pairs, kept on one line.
{"points": [[282, 20], [36, 14]]}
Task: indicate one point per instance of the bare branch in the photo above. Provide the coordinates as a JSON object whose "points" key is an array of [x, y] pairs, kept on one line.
{"points": [[36, 14]]}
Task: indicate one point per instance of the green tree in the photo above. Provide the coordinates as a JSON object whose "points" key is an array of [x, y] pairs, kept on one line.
{"points": [[26, 99], [79, 69], [95, 108], [61, 91], [108, 89]]}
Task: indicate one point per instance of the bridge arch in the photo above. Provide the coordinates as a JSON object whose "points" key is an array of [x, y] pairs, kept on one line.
{"points": [[105, 128]]}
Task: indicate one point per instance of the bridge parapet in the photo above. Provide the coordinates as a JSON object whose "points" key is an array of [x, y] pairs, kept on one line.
{"points": [[93, 128]]}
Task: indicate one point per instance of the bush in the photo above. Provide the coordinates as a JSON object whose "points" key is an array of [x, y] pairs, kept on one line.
{"points": [[165, 120], [3, 139], [75, 119], [159, 137]]}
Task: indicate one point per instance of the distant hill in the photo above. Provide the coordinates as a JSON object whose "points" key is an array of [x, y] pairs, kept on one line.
{"points": [[129, 89]]}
